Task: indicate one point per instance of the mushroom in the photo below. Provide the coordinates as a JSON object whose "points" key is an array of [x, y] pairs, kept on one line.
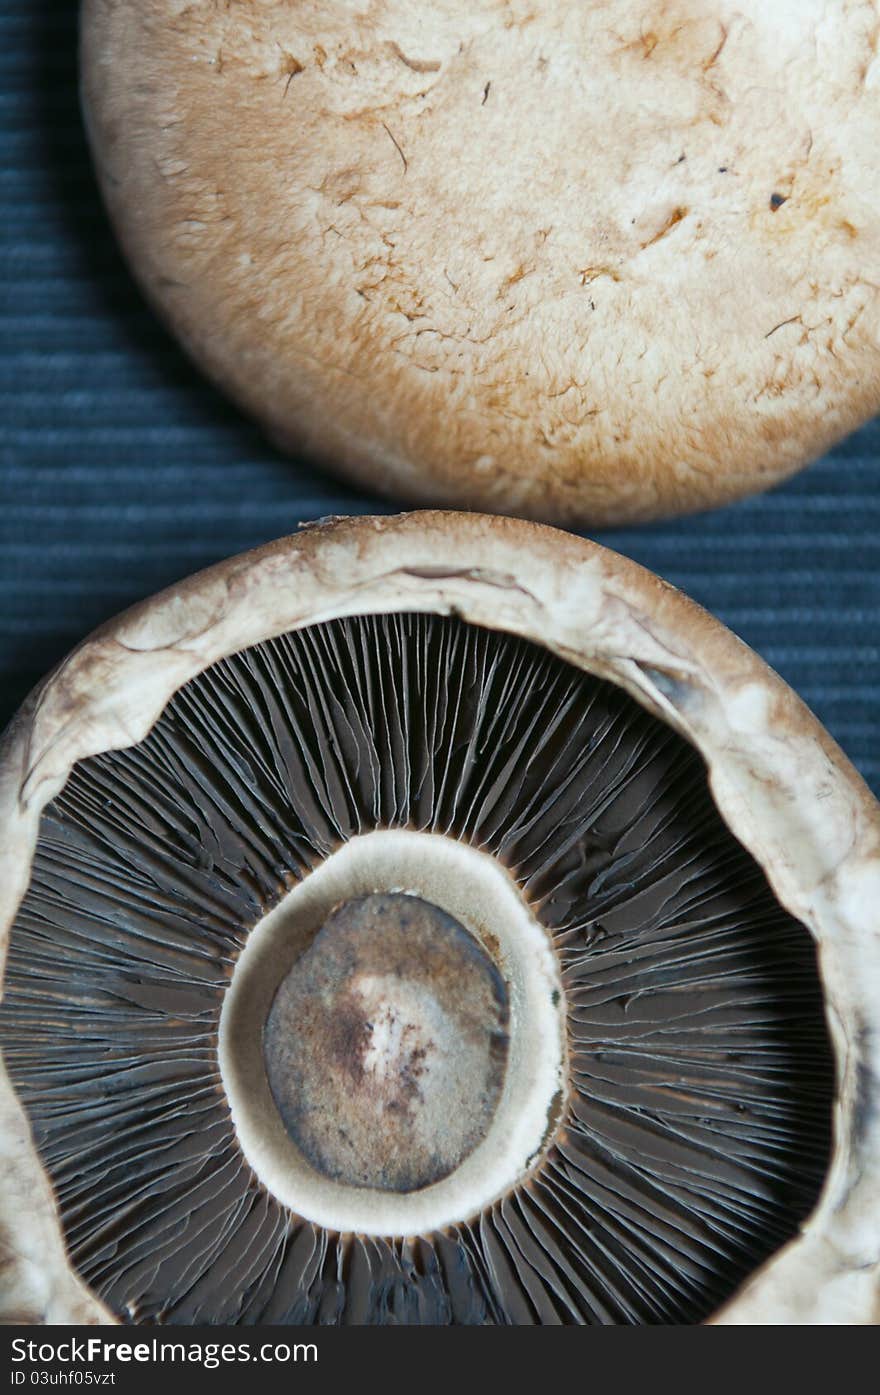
{"points": [[579, 263], [434, 919]]}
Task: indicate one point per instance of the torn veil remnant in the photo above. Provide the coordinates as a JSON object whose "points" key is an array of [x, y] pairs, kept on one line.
{"points": [[440, 862], [517, 257]]}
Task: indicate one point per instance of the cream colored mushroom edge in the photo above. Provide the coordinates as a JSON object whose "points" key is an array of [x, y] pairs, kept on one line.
{"points": [[475, 684], [585, 263]]}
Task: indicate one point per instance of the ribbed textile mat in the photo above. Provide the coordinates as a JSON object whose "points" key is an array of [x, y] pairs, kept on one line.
{"points": [[121, 470]]}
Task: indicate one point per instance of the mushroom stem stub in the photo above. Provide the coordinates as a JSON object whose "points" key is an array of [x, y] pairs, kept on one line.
{"points": [[386, 1044]]}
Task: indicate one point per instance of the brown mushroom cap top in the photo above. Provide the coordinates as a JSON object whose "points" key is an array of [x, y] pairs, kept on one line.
{"points": [[781, 786], [574, 262]]}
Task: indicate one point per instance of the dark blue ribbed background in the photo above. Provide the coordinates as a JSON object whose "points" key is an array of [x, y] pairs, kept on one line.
{"points": [[121, 471]]}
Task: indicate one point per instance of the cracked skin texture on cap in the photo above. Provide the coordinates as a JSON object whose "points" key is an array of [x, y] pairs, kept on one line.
{"points": [[586, 263]]}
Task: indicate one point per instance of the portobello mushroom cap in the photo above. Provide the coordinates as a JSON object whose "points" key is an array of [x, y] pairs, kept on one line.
{"points": [[434, 919], [578, 263]]}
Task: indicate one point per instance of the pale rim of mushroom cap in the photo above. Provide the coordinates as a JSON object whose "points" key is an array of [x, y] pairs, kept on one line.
{"points": [[781, 784]]}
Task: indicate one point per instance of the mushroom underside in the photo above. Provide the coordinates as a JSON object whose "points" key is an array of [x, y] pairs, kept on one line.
{"points": [[695, 1132]]}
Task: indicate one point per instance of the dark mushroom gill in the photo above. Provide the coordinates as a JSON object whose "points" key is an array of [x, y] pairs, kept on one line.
{"points": [[698, 1129]]}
